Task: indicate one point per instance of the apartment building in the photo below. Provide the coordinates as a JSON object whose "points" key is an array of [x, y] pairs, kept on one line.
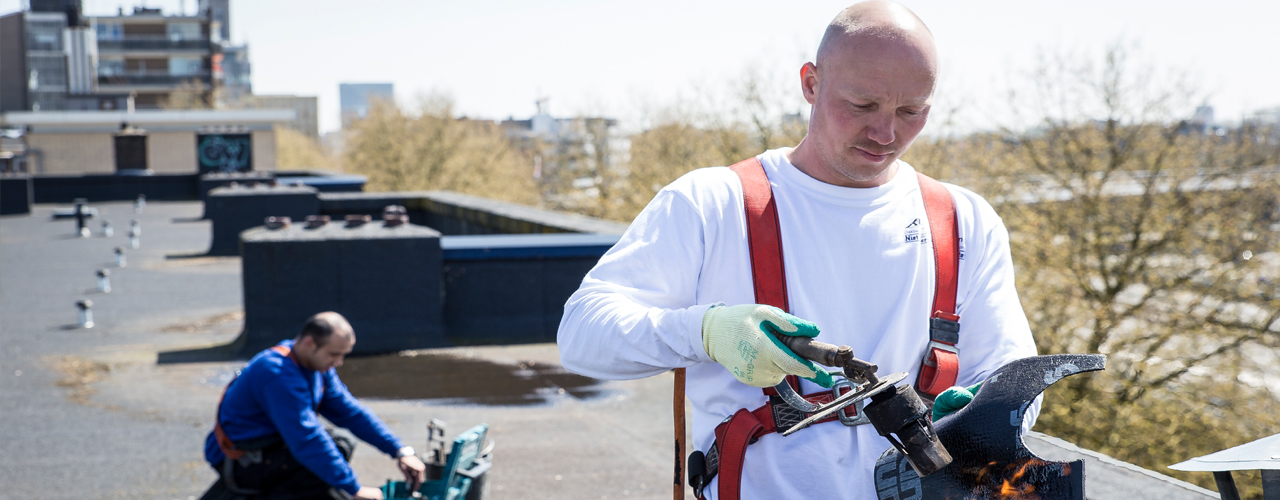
{"points": [[53, 58]]}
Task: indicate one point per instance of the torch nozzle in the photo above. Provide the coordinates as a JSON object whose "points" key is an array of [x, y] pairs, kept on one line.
{"points": [[897, 413]]}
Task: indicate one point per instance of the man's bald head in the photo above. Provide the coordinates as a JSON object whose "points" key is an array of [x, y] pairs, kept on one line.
{"points": [[871, 89], [324, 325], [877, 21]]}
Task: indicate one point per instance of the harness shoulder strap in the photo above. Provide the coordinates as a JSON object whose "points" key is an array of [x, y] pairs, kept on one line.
{"points": [[941, 363], [764, 235], [769, 281]]}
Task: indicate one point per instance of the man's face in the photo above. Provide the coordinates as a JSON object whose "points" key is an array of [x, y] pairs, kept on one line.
{"points": [[325, 356], [871, 97]]}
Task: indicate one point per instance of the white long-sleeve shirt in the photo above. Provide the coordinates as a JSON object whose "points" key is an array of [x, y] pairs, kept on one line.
{"points": [[858, 263]]}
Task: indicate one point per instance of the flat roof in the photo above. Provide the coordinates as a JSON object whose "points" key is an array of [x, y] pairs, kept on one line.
{"points": [[118, 403]]}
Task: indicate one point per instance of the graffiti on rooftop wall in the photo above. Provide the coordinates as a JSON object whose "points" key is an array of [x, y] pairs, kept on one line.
{"points": [[224, 152]]}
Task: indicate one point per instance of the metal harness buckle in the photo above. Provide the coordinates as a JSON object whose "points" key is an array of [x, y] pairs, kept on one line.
{"points": [[859, 418], [928, 351]]}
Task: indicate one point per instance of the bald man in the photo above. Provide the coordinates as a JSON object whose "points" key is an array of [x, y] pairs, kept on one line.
{"points": [[268, 441], [680, 290]]}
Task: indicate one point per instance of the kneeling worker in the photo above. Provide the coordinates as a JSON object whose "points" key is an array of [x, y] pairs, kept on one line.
{"points": [[268, 441]]}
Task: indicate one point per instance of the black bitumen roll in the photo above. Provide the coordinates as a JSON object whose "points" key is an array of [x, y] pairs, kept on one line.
{"points": [[209, 182], [384, 280], [511, 289], [235, 209], [15, 195]]}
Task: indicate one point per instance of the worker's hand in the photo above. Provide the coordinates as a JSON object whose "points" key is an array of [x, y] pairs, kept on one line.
{"points": [[368, 493], [953, 399], [414, 470], [742, 339]]}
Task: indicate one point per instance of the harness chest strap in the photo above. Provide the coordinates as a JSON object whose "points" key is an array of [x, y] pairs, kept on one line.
{"points": [[941, 363]]}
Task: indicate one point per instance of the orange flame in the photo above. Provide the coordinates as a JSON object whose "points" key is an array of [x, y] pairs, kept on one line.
{"points": [[1014, 488], [1009, 481]]}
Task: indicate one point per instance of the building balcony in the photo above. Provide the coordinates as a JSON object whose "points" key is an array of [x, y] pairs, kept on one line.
{"points": [[153, 43], [153, 79]]}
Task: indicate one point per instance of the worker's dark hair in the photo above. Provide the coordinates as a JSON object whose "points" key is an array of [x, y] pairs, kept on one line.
{"points": [[321, 326]]}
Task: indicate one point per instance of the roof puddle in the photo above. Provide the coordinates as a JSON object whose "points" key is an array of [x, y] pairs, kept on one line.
{"points": [[470, 380]]}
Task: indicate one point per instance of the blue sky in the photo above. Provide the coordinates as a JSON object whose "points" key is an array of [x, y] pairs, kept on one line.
{"points": [[626, 59]]}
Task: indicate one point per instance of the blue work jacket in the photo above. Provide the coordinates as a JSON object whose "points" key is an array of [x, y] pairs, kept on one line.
{"points": [[273, 395]]}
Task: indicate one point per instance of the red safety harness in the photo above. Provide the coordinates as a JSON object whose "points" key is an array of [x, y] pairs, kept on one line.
{"points": [[940, 365]]}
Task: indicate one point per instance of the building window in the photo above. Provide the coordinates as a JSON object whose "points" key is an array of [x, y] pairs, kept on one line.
{"points": [[44, 35], [184, 66], [183, 31], [110, 31], [47, 72], [110, 67]]}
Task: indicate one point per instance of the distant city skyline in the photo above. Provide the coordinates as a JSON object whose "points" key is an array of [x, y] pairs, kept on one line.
{"points": [[621, 60], [354, 99]]}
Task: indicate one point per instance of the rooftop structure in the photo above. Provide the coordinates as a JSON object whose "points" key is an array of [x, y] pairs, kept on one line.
{"points": [[174, 141]]}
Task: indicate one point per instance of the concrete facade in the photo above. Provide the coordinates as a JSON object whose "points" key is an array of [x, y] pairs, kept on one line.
{"points": [[264, 149], [172, 152], [67, 154]]}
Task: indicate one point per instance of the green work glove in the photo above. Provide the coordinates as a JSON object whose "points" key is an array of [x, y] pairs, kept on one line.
{"points": [[953, 399], [742, 339]]}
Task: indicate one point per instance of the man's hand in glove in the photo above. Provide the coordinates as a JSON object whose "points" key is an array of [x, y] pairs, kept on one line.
{"points": [[953, 399], [742, 339]]}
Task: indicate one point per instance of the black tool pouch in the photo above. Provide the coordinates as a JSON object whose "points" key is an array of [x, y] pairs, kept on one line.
{"points": [[697, 465]]}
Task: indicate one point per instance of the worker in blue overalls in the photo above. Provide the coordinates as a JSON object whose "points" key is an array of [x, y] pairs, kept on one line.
{"points": [[268, 442]]}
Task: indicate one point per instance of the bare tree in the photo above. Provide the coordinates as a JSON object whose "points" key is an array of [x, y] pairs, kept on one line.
{"points": [[432, 149], [716, 129], [296, 150], [193, 94], [1145, 235]]}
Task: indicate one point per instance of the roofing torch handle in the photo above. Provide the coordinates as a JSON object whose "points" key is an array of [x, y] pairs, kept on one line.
{"points": [[831, 355], [817, 351]]}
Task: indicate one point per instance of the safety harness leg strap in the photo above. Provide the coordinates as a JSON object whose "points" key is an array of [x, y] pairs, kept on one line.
{"points": [[742, 429], [776, 416]]}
